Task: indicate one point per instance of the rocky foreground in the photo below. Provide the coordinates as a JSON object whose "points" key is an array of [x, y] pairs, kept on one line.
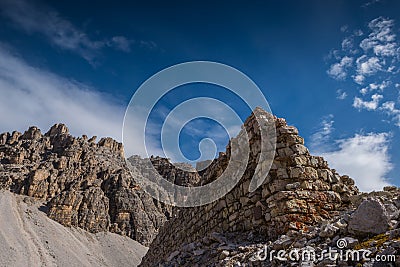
{"points": [[303, 206], [370, 228]]}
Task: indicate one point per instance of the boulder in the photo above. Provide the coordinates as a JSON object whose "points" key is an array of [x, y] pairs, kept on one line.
{"points": [[369, 218]]}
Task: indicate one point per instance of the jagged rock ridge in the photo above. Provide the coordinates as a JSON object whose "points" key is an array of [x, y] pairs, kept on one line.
{"points": [[86, 184]]}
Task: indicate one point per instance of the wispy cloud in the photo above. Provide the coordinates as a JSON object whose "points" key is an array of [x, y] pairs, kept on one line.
{"points": [[340, 94], [370, 3], [35, 18], [120, 43], [320, 139], [344, 28], [33, 96]]}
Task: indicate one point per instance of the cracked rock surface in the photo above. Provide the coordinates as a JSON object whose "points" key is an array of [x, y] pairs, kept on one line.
{"points": [[84, 183]]}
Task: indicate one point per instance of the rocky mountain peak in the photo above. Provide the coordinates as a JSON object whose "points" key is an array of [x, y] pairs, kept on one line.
{"points": [[84, 183], [57, 129], [33, 133]]}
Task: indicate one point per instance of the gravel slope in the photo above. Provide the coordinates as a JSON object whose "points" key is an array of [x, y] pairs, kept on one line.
{"points": [[29, 238]]}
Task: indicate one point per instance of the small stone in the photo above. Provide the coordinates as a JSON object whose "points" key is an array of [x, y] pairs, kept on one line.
{"points": [[224, 254], [288, 130], [328, 230], [389, 188], [198, 252], [218, 237], [299, 149], [173, 255], [283, 242], [293, 186], [351, 242], [392, 211], [341, 224], [300, 243]]}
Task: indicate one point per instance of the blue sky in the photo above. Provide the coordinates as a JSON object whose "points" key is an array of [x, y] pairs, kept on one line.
{"points": [[331, 68]]}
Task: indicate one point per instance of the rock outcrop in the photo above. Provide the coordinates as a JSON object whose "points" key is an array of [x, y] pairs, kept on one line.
{"points": [[86, 184]]}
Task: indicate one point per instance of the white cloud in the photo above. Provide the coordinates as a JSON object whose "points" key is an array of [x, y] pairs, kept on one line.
{"points": [[347, 43], [382, 29], [341, 94], [367, 44], [375, 86], [391, 69], [359, 78], [363, 157], [338, 70], [379, 86], [32, 96], [320, 138], [358, 33], [369, 105], [389, 49], [367, 4], [59, 31], [120, 43], [380, 52], [333, 54], [368, 66], [364, 90], [390, 108], [376, 67], [381, 40]]}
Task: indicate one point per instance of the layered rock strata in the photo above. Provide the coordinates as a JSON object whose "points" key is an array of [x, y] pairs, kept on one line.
{"points": [[85, 183]]}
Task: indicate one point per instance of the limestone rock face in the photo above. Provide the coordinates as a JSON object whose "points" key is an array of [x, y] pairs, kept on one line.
{"points": [[86, 184]]}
